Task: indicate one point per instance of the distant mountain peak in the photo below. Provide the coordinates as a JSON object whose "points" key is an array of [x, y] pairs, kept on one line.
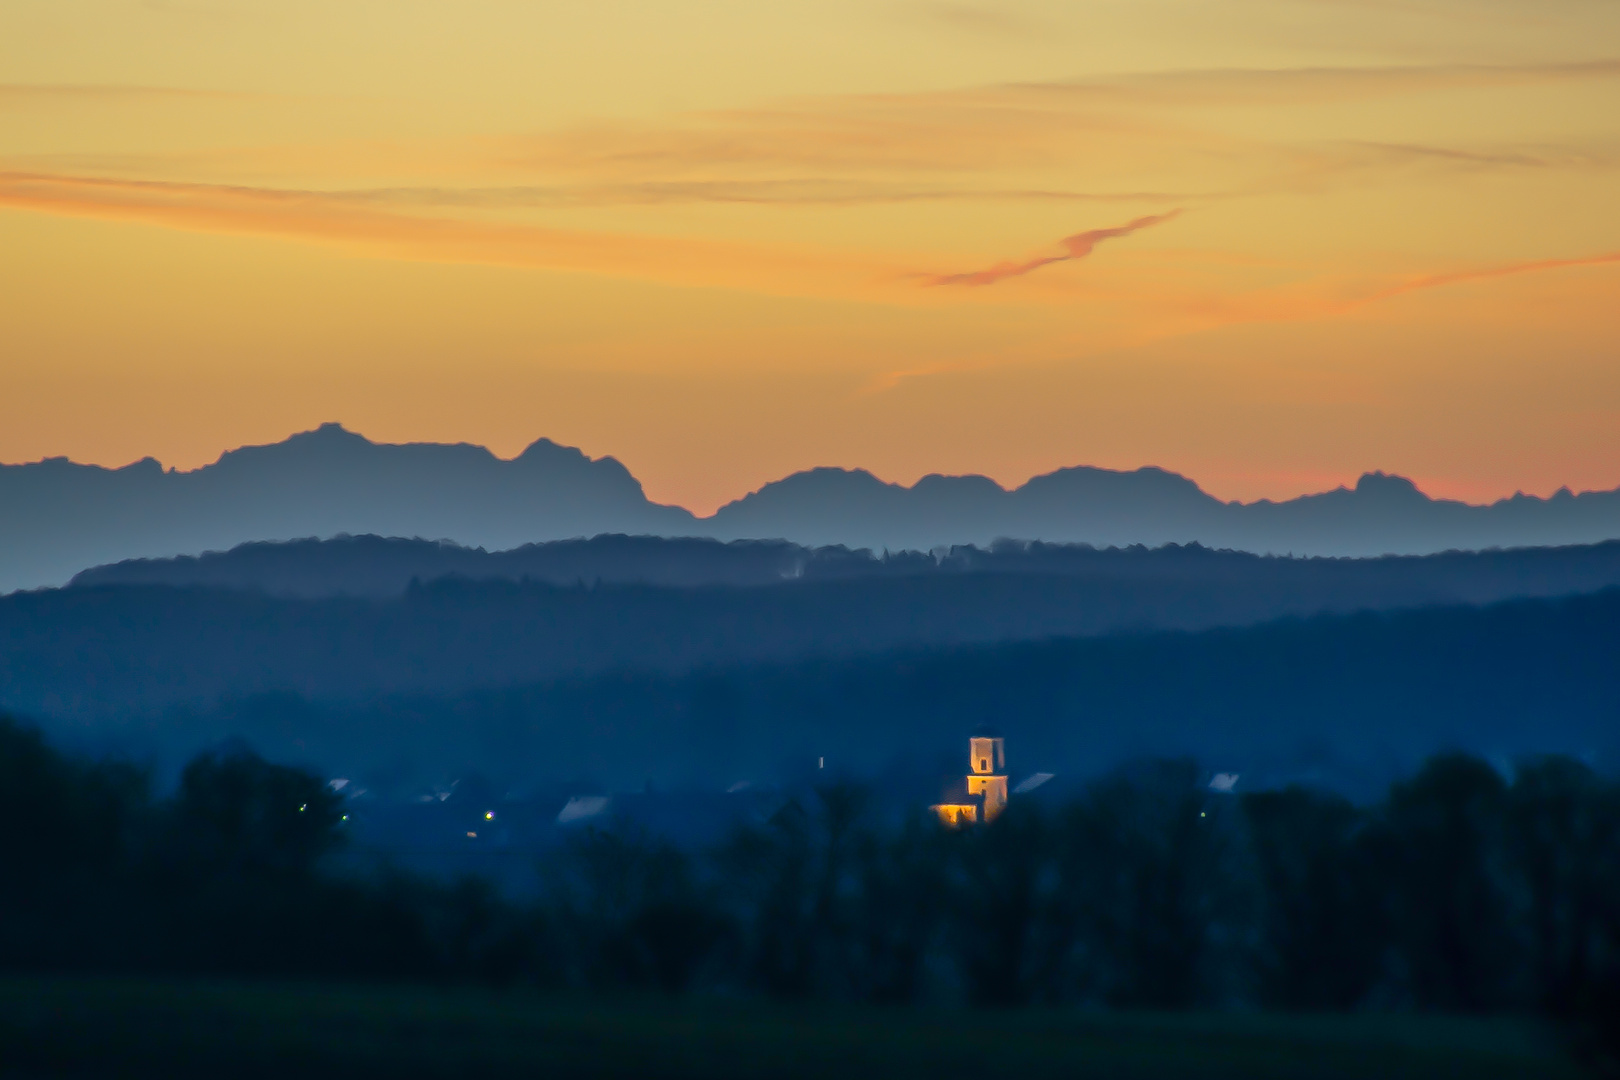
{"points": [[545, 448], [1148, 477], [329, 440], [1389, 486], [546, 452], [330, 433], [971, 482], [823, 481]]}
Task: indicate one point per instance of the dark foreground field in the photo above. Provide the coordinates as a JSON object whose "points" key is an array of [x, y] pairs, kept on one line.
{"points": [[111, 1028]]}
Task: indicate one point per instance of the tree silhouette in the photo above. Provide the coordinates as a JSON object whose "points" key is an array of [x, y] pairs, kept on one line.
{"points": [[1448, 878], [1322, 928], [631, 910], [1153, 888], [237, 814]]}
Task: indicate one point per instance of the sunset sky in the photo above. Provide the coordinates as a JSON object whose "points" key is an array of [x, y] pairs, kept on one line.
{"points": [[1269, 244]]}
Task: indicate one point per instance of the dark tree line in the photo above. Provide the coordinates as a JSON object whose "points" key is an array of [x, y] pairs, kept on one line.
{"points": [[1461, 891]]}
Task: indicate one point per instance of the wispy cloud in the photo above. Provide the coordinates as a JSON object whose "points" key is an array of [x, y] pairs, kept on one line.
{"points": [[1077, 246], [1332, 295], [343, 222], [1128, 138], [1486, 273], [932, 127], [1290, 87], [1498, 157], [802, 192], [319, 218], [1129, 133], [94, 93]]}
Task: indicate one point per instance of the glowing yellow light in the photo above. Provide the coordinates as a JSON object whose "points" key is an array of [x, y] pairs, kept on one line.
{"points": [[489, 815]]}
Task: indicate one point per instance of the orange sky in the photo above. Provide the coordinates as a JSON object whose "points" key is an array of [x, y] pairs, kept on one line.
{"points": [[1267, 243]]}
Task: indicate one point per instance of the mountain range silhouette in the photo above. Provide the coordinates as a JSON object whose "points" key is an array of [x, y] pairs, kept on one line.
{"points": [[58, 518]]}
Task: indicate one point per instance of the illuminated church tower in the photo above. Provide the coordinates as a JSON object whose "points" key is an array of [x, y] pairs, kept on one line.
{"points": [[982, 794], [987, 772]]}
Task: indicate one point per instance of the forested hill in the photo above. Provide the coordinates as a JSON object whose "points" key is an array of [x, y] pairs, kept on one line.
{"points": [[386, 566], [1350, 701], [101, 649], [1236, 586]]}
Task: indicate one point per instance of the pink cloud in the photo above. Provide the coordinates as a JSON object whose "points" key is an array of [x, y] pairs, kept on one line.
{"points": [[1077, 246]]}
